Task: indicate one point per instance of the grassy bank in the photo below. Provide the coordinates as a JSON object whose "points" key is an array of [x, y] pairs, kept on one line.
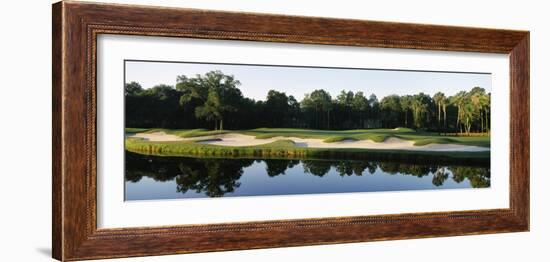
{"points": [[287, 149], [185, 133]]}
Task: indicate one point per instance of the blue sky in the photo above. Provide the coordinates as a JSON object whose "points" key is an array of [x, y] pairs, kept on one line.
{"points": [[256, 80]]}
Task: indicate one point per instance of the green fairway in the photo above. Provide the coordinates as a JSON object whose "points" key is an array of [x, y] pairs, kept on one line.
{"points": [[376, 135], [185, 133]]}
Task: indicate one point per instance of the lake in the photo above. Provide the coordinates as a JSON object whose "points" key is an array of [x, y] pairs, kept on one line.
{"points": [[154, 177]]}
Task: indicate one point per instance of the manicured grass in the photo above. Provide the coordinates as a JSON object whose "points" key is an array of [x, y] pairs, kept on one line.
{"points": [[185, 133], [333, 139], [376, 135], [433, 138], [135, 130], [287, 148], [262, 136], [428, 141]]}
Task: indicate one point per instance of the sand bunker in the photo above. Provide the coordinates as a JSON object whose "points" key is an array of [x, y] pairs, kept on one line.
{"points": [[390, 143], [234, 139], [157, 137]]}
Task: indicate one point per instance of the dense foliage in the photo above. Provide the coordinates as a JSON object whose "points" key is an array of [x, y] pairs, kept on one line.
{"points": [[214, 101]]}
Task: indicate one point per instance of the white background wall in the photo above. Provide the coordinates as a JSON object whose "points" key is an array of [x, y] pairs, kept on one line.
{"points": [[25, 147]]}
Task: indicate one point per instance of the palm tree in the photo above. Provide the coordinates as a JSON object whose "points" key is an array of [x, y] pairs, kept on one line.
{"points": [[439, 99], [487, 112], [476, 104], [478, 100], [469, 113], [485, 104], [459, 100], [405, 102], [419, 109], [444, 104]]}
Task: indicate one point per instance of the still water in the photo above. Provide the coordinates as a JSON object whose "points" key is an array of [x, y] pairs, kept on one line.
{"points": [[152, 177]]}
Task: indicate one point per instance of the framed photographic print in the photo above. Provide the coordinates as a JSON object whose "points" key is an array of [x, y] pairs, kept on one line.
{"points": [[182, 130]]}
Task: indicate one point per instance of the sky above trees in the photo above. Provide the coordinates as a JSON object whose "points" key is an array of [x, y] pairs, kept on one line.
{"points": [[297, 81]]}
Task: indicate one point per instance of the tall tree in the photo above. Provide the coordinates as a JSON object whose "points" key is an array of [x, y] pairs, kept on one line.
{"points": [[321, 101], [294, 112], [406, 101], [374, 109], [439, 99], [360, 105], [479, 100], [216, 88], [132, 88], [459, 100], [211, 109], [344, 101], [278, 105], [420, 108], [160, 105], [469, 113], [487, 111], [444, 104], [391, 110]]}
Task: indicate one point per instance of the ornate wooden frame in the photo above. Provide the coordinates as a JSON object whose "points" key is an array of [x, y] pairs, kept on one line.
{"points": [[75, 29]]}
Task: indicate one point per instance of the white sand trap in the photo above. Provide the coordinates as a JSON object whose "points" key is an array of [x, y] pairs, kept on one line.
{"points": [[234, 139], [157, 137], [390, 143]]}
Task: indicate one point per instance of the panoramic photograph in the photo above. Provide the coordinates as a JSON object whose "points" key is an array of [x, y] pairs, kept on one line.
{"points": [[205, 130]]}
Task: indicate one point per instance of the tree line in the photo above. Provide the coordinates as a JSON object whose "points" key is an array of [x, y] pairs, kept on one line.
{"points": [[214, 101]]}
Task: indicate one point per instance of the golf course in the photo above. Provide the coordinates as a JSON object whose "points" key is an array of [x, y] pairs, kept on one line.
{"points": [[243, 130], [290, 142]]}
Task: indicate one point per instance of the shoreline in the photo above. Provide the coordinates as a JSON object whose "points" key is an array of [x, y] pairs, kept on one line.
{"points": [[241, 141]]}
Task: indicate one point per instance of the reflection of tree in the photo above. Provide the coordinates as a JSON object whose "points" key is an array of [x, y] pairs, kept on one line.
{"points": [[418, 170], [394, 168], [316, 167], [133, 176], [138, 166], [214, 177], [345, 168], [371, 166], [478, 177], [391, 168], [275, 167], [360, 166], [440, 176], [349, 168]]}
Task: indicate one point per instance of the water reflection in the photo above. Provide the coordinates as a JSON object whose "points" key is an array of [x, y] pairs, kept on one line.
{"points": [[198, 177], [214, 177]]}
